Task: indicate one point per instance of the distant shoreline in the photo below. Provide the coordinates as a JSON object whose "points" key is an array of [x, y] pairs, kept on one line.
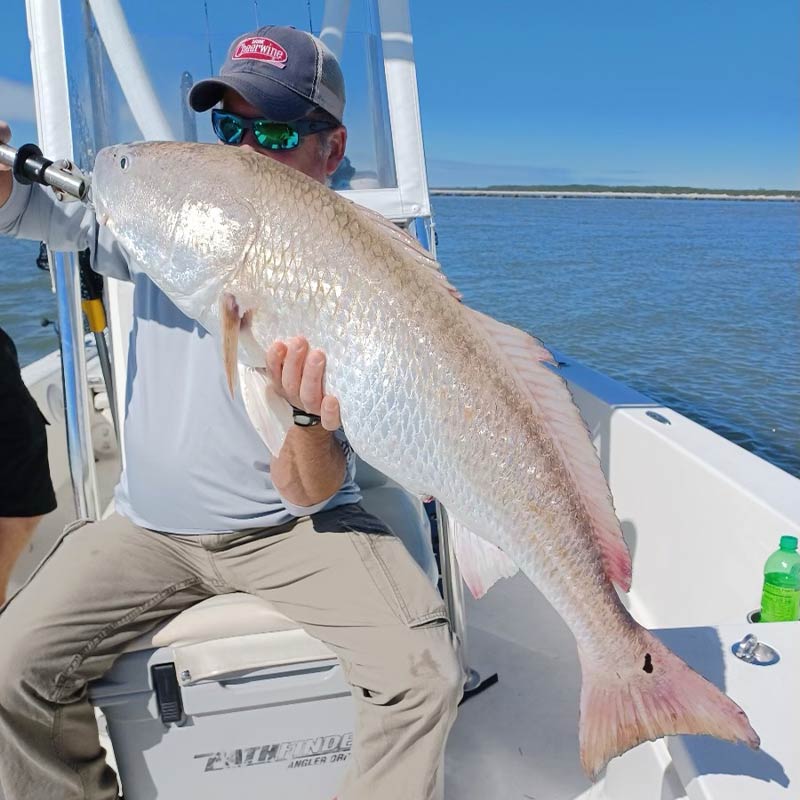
{"points": [[621, 193]]}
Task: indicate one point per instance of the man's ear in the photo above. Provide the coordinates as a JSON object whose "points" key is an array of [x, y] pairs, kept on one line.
{"points": [[338, 143]]}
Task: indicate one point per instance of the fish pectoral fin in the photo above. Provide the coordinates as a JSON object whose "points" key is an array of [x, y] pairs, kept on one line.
{"points": [[482, 563], [270, 414], [231, 321]]}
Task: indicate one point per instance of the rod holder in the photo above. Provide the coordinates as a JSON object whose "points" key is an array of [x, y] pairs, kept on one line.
{"points": [[28, 165]]}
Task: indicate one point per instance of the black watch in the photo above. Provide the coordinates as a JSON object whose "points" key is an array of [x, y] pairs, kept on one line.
{"points": [[304, 419]]}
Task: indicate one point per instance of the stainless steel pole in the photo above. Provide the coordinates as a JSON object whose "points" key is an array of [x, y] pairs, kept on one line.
{"points": [[187, 112], [70, 323], [453, 592]]}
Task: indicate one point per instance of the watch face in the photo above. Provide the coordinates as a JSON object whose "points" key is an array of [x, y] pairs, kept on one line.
{"points": [[303, 419]]}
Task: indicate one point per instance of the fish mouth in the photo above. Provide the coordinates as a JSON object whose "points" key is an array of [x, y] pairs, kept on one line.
{"points": [[100, 212], [103, 166], [95, 202]]}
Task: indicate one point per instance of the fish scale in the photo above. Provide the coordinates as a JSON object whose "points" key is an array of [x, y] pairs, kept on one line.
{"points": [[442, 399]]}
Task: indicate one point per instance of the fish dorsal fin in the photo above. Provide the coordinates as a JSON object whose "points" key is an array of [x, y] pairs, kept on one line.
{"points": [[481, 563], [270, 414], [408, 243], [528, 359]]}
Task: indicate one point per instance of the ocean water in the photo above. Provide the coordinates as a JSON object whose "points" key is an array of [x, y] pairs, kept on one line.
{"points": [[26, 300], [695, 303]]}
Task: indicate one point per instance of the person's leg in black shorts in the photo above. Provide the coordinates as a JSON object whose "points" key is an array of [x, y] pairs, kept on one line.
{"points": [[26, 491]]}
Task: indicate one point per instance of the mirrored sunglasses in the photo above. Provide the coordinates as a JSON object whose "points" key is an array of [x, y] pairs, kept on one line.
{"points": [[231, 128]]}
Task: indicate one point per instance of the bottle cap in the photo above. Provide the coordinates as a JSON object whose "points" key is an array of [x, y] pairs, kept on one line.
{"points": [[788, 543]]}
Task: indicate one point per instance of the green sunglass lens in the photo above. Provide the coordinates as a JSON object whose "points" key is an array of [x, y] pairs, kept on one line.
{"points": [[275, 136], [230, 128]]}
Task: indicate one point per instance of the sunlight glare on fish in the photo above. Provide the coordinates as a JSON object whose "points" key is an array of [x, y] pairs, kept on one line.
{"points": [[205, 224]]}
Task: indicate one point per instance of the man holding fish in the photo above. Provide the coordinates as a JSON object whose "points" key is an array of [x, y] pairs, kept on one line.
{"points": [[205, 509]]}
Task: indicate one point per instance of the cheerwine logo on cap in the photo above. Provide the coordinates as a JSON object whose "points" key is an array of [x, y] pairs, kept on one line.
{"points": [[259, 48]]}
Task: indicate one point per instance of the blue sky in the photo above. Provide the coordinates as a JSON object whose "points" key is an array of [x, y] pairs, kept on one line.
{"points": [[686, 92]]}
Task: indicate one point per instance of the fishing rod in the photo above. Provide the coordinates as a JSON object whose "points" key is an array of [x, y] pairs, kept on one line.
{"points": [[92, 305], [28, 165]]}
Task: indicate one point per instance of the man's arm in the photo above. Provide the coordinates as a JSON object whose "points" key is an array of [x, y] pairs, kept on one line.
{"points": [[311, 465]]}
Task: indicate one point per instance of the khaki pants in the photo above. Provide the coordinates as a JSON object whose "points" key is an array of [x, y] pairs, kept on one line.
{"points": [[340, 574]]}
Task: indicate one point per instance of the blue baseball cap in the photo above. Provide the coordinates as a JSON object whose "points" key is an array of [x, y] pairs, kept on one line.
{"points": [[284, 72]]}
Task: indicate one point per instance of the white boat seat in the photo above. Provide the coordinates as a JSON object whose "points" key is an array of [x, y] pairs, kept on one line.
{"points": [[235, 632], [231, 633]]}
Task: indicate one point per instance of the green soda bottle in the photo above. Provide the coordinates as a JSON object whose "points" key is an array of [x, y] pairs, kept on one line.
{"points": [[780, 599]]}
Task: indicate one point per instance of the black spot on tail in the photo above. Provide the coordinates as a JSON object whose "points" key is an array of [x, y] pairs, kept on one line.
{"points": [[648, 663]]}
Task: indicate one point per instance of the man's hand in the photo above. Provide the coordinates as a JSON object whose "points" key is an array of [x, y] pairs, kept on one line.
{"points": [[6, 179], [298, 375], [5, 138], [311, 465]]}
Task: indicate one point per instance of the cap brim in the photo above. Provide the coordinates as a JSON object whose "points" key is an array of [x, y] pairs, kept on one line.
{"points": [[271, 98]]}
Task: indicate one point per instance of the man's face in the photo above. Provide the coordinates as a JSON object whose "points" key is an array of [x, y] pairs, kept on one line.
{"points": [[309, 156]]}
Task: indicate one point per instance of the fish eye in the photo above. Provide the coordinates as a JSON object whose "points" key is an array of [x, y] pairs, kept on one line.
{"points": [[124, 162]]}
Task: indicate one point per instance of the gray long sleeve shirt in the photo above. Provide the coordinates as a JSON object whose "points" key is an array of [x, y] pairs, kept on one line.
{"points": [[194, 463]]}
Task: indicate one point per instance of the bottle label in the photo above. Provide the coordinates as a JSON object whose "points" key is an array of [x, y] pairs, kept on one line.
{"points": [[779, 604]]}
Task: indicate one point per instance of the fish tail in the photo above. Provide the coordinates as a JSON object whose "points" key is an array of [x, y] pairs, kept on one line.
{"points": [[652, 695]]}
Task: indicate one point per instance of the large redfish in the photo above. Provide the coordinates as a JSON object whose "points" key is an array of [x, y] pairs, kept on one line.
{"points": [[441, 398]]}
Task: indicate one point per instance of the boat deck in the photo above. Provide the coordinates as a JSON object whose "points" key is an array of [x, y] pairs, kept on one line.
{"points": [[518, 738]]}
